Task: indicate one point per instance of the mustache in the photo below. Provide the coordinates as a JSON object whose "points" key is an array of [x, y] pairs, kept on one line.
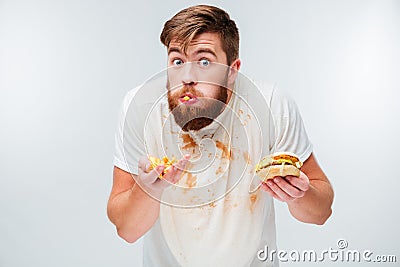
{"points": [[184, 90]]}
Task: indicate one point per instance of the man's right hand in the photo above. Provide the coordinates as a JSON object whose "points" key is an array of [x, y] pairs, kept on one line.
{"points": [[150, 178], [134, 206]]}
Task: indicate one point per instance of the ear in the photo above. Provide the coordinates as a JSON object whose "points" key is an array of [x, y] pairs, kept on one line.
{"points": [[233, 71]]}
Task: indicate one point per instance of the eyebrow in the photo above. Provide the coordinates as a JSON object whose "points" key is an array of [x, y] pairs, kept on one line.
{"points": [[206, 50], [173, 49], [201, 50]]}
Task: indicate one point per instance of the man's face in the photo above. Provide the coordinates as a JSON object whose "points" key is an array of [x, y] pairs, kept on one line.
{"points": [[197, 81]]}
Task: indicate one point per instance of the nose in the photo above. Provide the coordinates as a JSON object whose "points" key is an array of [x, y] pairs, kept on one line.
{"points": [[189, 74], [192, 83]]}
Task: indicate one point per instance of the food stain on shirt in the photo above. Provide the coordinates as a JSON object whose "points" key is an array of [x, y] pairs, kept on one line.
{"points": [[191, 180], [244, 121], [226, 153], [188, 141], [231, 203], [219, 170], [181, 176], [227, 203], [194, 199], [253, 200], [246, 157]]}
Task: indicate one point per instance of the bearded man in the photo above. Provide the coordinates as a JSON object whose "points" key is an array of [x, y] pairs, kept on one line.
{"points": [[206, 209]]}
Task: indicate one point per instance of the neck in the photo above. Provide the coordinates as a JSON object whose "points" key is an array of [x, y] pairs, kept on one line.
{"points": [[229, 92]]}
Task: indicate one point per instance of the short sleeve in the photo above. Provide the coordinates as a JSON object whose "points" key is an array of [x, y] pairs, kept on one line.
{"points": [[129, 144], [289, 133]]}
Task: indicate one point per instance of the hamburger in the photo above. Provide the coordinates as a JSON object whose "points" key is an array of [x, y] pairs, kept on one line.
{"points": [[154, 162], [278, 164]]}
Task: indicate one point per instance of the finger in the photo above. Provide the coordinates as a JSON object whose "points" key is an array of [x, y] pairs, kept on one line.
{"points": [[144, 164], [170, 175], [266, 188], [269, 190], [181, 165], [288, 188], [301, 182], [176, 170], [152, 176], [281, 194]]}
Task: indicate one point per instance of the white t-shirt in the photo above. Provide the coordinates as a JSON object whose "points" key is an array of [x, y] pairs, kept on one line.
{"points": [[214, 216]]}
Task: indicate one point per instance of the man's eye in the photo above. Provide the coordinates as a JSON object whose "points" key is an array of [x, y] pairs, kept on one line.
{"points": [[204, 62], [177, 62]]}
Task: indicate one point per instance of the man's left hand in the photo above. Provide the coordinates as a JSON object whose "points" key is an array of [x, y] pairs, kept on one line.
{"points": [[287, 188]]}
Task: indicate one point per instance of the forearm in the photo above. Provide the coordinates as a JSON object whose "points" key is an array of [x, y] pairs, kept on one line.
{"points": [[315, 205], [133, 212]]}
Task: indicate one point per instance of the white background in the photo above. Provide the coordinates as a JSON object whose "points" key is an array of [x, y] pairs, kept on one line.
{"points": [[66, 65]]}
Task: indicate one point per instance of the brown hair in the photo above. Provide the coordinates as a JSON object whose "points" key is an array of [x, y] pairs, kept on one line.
{"points": [[190, 22]]}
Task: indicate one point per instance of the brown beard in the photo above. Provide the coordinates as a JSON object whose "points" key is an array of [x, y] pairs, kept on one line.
{"points": [[193, 117]]}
